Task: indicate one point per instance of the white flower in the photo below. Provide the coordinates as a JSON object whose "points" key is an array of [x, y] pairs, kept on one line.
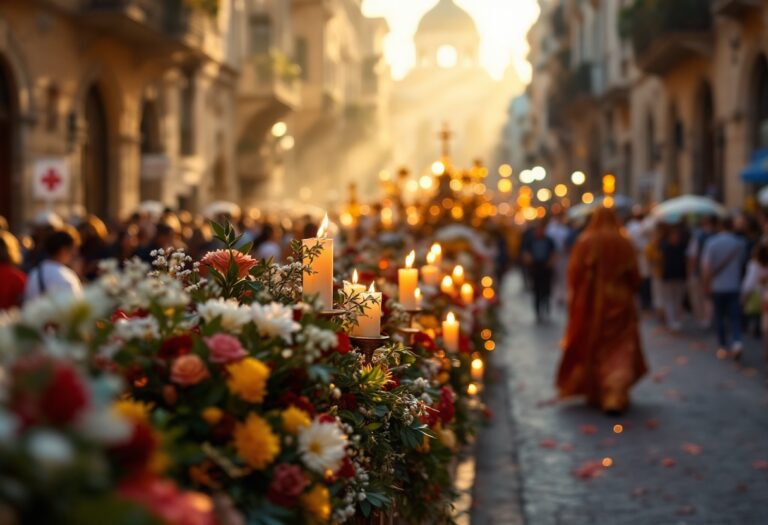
{"points": [[322, 446], [103, 425], [50, 449], [275, 320], [232, 316], [136, 328], [67, 310]]}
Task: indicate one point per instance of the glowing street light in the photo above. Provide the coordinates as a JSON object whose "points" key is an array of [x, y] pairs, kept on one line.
{"points": [[578, 178], [505, 185], [527, 177], [561, 190], [279, 129], [544, 195], [539, 173], [505, 170], [587, 198]]}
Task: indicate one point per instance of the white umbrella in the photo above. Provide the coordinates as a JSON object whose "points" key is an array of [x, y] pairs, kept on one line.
{"points": [[762, 197], [217, 208], [675, 209]]}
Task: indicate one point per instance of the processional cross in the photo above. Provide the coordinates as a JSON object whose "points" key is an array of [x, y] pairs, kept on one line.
{"points": [[445, 136]]}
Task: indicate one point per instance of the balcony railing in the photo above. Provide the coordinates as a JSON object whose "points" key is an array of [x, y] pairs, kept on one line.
{"points": [[664, 32]]}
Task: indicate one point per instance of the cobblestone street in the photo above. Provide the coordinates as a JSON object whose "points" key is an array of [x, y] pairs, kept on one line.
{"points": [[692, 450]]}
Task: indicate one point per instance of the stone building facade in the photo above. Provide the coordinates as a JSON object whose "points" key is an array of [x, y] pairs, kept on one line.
{"points": [[668, 96]]}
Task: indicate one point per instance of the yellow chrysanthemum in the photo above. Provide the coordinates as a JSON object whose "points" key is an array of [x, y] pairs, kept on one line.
{"points": [[248, 379], [132, 409], [255, 442], [295, 419], [317, 502]]}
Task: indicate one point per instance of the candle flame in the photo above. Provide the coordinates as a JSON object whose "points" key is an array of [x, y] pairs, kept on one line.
{"points": [[447, 282], [450, 318], [436, 249], [372, 288], [458, 271], [417, 294], [467, 289], [354, 277], [322, 231], [410, 259], [431, 258]]}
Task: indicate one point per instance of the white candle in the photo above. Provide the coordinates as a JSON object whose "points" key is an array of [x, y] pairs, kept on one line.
{"points": [[320, 282], [458, 274], [408, 280], [417, 294], [369, 323], [451, 333], [430, 273], [438, 251], [353, 289], [467, 294], [446, 286]]}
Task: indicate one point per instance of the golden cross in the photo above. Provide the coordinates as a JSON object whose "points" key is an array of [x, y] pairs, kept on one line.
{"points": [[445, 138]]}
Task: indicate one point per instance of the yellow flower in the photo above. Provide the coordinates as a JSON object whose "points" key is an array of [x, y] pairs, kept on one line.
{"points": [[317, 502], [248, 379], [255, 442], [295, 419], [132, 409], [212, 415]]}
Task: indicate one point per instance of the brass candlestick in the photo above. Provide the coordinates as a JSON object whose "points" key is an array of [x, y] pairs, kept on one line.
{"points": [[368, 345]]}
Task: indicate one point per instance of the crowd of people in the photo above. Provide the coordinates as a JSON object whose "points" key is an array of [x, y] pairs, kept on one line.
{"points": [[709, 271], [58, 255]]}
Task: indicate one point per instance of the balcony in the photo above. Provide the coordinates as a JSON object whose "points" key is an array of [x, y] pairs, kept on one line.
{"points": [[666, 33], [151, 24], [271, 79], [737, 9]]}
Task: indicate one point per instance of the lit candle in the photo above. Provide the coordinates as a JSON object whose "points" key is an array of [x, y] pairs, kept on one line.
{"points": [[467, 293], [446, 286], [408, 280], [320, 282], [451, 333], [418, 295], [430, 273], [438, 251], [369, 323], [477, 369], [458, 274], [352, 289]]}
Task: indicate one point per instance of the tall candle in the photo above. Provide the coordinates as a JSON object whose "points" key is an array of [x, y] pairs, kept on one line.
{"points": [[430, 273], [369, 323], [451, 333], [353, 289], [458, 274], [446, 286], [418, 295], [320, 281], [438, 251], [467, 293], [408, 280]]}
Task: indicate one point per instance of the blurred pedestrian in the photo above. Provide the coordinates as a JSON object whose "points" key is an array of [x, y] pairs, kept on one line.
{"points": [[701, 306], [754, 292], [12, 279], [539, 257], [638, 234], [673, 275], [52, 275], [602, 356], [266, 245], [165, 237], [723, 257]]}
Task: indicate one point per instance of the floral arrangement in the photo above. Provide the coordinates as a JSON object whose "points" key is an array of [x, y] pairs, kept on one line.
{"points": [[213, 392]]}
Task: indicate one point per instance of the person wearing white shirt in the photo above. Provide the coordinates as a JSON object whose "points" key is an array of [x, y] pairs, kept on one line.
{"points": [[52, 275]]}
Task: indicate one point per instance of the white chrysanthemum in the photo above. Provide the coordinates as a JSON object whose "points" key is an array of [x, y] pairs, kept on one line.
{"points": [[322, 446], [104, 426], [275, 320], [50, 449], [233, 316], [67, 310], [136, 328]]}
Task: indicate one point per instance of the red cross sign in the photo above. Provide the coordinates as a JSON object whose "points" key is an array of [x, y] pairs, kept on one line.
{"points": [[51, 179]]}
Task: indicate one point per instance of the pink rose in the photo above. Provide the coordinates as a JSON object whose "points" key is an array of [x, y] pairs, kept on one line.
{"points": [[224, 349], [188, 370], [221, 259], [288, 482]]}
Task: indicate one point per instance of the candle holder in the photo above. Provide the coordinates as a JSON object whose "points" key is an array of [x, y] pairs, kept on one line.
{"points": [[368, 345], [409, 334], [332, 313]]}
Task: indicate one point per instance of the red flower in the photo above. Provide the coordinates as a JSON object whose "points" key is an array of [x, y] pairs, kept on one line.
{"points": [[64, 397], [445, 405], [393, 383], [348, 401], [135, 453], [347, 469], [163, 499], [292, 399], [175, 346], [423, 341], [288, 482], [465, 345], [220, 260], [344, 345], [122, 314], [326, 418]]}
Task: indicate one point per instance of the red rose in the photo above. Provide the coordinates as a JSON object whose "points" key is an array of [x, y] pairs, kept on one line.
{"points": [[135, 453], [174, 347], [344, 345], [423, 341], [288, 482], [163, 499], [289, 399], [347, 469], [445, 405], [326, 418], [64, 397]]}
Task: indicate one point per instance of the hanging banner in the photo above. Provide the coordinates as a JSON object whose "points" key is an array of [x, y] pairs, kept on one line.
{"points": [[51, 179]]}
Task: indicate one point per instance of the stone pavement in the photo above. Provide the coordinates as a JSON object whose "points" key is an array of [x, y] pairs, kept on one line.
{"points": [[692, 450]]}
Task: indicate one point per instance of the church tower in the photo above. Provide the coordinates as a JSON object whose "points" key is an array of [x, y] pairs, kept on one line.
{"points": [[447, 37]]}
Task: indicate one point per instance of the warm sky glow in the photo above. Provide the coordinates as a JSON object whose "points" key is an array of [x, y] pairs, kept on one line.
{"points": [[503, 25]]}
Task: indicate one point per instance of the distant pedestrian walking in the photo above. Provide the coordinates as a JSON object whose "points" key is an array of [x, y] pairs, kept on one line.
{"points": [[539, 257]]}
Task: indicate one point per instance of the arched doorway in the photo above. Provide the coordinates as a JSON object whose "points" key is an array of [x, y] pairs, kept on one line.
{"points": [[758, 105], [96, 176], [706, 176], [8, 129]]}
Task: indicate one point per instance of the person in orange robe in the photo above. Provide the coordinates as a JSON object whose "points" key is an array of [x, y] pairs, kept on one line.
{"points": [[602, 356]]}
